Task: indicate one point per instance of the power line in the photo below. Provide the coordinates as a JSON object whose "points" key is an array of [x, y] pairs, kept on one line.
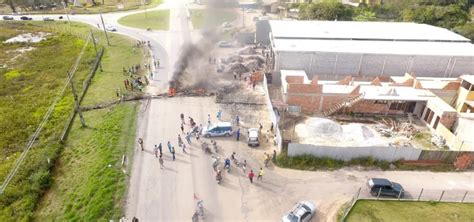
{"points": [[35, 135]]}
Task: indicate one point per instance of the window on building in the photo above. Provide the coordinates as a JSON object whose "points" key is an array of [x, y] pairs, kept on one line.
{"points": [[380, 102], [435, 125]]}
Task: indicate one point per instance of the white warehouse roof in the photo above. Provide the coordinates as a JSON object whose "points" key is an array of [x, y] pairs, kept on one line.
{"points": [[349, 30], [376, 47]]}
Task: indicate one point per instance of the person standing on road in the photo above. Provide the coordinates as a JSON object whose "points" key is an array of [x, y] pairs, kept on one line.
{"points": [[251, 175], [219, 114], [140, 142], [161, 149], [274, 157], [184, 149], [271, 128], [169, 146], [161, 162], [260, 174], [156, 151], [180, 141], [237, 120], [188, 138], [238, 134], [182, 128], [209, 119], [182, 118], [173, 152]]}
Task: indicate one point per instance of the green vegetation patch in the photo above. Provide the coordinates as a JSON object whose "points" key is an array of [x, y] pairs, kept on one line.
{"points": [[28, 86], [156, 20], [387, 211], [212, 17]]}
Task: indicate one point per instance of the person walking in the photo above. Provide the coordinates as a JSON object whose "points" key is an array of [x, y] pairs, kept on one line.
{"points": [[169, 146], [219, 114], [160, 147], [251, 175], [209, 119], [161, 162], [188, 138], [271, 128], [140, 142], [182, 128], [180, 141], [156, 151], [184, 148], [182, 118], [260, 174], [238, 134], [172, 153], [237, 120], [274, 157]]}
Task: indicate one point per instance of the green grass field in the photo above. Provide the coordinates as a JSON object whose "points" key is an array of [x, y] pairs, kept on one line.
{"points": [[83, 187], [156, 20], [108, 6], [212, 17], [387, 211]]}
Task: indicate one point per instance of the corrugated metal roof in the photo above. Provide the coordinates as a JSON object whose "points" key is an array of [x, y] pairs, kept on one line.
{"points": [[361, 30], [376, 47]]}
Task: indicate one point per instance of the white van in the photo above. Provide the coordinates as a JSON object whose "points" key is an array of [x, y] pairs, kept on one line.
{"points": [[219, 129]]}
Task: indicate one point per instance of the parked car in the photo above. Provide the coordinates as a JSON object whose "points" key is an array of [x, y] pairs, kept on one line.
{"points": [[7, 17], [253, 137], [385, 187], [26, 18], [218, 129], [110, 28], [60, 17], [303, 211], [224, 44], [48, 19]]}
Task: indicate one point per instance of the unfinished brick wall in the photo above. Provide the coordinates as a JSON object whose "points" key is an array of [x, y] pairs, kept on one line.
{"points": [[294, 79], [308, 103], [448, 119], [304, 88], [368, 106], [330, 101]]}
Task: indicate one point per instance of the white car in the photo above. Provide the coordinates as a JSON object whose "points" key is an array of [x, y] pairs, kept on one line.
{"points": [[110, 28], [303, 211], [253, 137], [224, 44], [48, 19]]}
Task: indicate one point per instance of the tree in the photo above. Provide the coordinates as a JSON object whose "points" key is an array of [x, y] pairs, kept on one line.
{"points": [[327, 10], [364, 14], [444, 16], [466, 30], [11, 4]]}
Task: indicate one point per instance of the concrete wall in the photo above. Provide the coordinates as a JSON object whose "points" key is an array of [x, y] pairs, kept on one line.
{"points": [[262, 32], [329, 65], [348, 153], [273, 116]]}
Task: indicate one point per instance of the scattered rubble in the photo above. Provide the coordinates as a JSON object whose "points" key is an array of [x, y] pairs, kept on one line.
{"points": [[247, 50], [28, 37]]}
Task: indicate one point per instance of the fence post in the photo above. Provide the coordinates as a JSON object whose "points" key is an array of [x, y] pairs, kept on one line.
{"points": [[464, 197], [419, 196], [441, 197], [358, 193], [380, 191]]}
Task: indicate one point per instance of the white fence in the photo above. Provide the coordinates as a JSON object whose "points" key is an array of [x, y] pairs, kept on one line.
{"points": [[274, 118], [387, 153]]}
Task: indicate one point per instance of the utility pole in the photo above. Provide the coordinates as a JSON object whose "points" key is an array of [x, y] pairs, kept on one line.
{"points": [[95, 47], [67, 14], [103, 26], [78, 107]]}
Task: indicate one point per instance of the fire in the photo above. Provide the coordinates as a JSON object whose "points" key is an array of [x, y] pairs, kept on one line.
{"points": [[171, 91]]}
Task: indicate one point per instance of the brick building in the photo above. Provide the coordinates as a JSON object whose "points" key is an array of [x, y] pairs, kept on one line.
{"points": [[442, 103]]}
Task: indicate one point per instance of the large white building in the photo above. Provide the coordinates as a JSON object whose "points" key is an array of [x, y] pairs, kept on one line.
{"points": [[334, 49]]}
